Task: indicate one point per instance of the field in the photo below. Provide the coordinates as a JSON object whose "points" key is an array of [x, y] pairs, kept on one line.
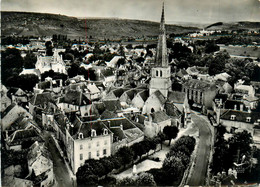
{"points": [[248, 51]]}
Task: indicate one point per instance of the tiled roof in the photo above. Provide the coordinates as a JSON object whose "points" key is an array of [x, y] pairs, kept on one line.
{"points": [[230, 104], [176, 97], [241, 116], [7, 110], [75, 98], [131, 93], [118, 133], [160, 96], [172, 110], [99, 107], [181, 73], [112, 105], [198, 84], [159, 116], [127, 124], [85, 129], [41, 98], [108, 115], [144, 95]]}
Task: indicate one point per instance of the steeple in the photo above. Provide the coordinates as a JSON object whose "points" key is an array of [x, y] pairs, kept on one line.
{"points": [[161, 58]]}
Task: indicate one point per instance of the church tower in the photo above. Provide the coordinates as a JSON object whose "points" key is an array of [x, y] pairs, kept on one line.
{"points": [[161, 72]]}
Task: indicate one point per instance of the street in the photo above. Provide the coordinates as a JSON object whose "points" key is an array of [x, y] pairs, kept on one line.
{"points": [[59, 168], [199, 172]]}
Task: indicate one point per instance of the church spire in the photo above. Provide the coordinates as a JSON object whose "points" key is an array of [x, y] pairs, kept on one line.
{"points": [[161, 58], [162, 26]]}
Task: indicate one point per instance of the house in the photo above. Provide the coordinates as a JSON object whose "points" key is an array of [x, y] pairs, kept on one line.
{"points": [[200, 92], [39, 102], [5, 102], [21, 139], [49, 85], [174, 113], [139, 100], [94, 92], [112, 105], [47, 63], [115, 93], [128, 96], [155, 102], [40, 164], [87, 140], [11, 114], [182, 74], [113, 61], [244, 89], [222, 77], [17, 95], [156, 123], [240, 120], [74, 101], [125, 133], [108, 76]]}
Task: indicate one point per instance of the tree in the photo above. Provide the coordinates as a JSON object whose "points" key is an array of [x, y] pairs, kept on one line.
{"points": [[145, 179], [174, 167], [108, 164], [25, 82], [170, 132], [138, 150], [161, 137], [127, 181], [29, 61], [126, 155], [85, 176]]}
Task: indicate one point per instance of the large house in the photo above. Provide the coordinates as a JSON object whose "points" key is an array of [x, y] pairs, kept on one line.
{"points": [[200, 92]]}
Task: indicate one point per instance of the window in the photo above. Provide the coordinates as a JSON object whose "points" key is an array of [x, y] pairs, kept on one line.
{"points": [[93, 133], [81, 147], [105, 132], [104, 152], [97, 153], [89, 155], [97, 143], [81, 156], [157, 74], [248, 119], [233, 117], [161, 73], [105, 142]]}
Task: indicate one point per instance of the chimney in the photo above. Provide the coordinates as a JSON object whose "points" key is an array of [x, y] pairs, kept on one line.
{"points": [[121, 127], [235, 107], [109, 124]]}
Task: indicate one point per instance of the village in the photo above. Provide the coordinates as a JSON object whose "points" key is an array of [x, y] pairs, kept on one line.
{"points": [[181, 111]]}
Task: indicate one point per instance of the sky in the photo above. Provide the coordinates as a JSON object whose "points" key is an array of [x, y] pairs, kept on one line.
{"points": [[197, 11]]}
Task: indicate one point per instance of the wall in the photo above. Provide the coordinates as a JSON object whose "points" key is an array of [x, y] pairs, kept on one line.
{"points": [[90, 145]]}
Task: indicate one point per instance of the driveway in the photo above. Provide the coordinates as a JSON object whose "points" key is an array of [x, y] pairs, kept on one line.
{"points": [[199, 171]]}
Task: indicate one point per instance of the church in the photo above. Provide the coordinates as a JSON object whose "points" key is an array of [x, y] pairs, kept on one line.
{"points": [[160, 83]]}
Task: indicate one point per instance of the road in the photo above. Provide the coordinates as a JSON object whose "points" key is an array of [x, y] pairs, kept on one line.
{"points": [[199, 172], [60, 170]]}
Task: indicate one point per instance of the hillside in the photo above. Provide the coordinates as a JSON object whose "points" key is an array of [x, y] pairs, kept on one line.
{"points": [[234, 25], [41, 24]]}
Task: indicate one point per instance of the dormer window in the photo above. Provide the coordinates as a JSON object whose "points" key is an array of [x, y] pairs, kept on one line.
{"points": [[81, 136], [233, 117], [93, 133], [248, 119], [105, 132]]}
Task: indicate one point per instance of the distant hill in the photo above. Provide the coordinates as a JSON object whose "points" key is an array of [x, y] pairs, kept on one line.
{"points": [[41, 24], [234, 25]]}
